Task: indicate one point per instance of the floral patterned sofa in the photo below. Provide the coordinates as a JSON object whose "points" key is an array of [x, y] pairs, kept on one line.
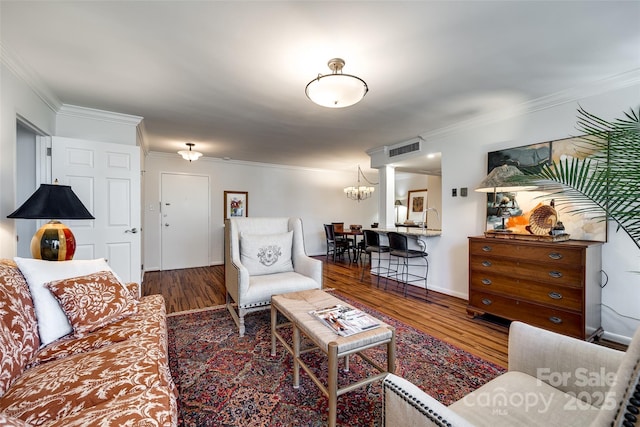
{"points": [[110, 370]]}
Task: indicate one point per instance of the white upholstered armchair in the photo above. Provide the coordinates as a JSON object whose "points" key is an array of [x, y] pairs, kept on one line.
{"points": [[553, 380], [265, 257]]}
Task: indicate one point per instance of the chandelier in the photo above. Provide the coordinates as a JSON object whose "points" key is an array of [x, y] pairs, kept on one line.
{"points": [[336, 90], [360, 192], [190, 154]]}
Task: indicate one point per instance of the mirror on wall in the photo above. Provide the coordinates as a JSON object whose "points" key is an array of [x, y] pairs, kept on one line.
{"points": [[412, 203]]}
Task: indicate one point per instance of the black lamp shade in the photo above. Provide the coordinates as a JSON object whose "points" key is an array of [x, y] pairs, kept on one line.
{"points": [[54, 241], [52, 202]]}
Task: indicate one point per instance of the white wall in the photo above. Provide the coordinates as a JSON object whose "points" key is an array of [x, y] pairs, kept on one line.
{"points": [[314, 195], [16, 99], [464, 163]]}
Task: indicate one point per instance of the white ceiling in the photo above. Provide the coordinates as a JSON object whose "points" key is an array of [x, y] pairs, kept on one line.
{"points": [[230, 75]]}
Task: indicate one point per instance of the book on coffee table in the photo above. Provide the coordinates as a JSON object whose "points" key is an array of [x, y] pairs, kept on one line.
{"points": [[345, 321]]}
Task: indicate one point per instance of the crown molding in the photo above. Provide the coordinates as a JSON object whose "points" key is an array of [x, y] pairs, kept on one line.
{"points": [[205, 158], [22, 71], [578, 93], [95, 114], [25, 73], [141, 136], [571, 95], [110, 117]]}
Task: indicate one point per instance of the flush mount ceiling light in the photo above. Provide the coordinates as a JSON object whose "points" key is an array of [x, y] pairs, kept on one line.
{"points": [[190, 154], [336, 90]]}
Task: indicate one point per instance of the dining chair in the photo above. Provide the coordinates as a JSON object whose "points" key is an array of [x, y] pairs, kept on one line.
{"points": [[338, 227], [334, 246]]}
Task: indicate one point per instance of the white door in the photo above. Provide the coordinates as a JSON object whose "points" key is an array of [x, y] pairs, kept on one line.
{"points": [[185, 221], [106, 178]]}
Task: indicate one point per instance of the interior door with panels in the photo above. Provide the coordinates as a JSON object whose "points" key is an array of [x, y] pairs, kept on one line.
{"points": [[185, 231], [106, 178]]}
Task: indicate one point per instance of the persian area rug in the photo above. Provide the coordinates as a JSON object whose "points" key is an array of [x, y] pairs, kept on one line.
{"points": [[225, 380]]}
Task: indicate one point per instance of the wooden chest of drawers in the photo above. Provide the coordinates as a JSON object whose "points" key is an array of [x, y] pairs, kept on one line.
{"points": [[555, 286]]}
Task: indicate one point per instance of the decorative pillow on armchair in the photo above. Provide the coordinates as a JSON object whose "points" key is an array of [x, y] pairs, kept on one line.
{"points": [[266, 253], [93, 301]]}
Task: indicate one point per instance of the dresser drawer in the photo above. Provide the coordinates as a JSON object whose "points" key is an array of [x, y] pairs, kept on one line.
{"points": [[560, 274], [554, 254], [566, 298], [548, 318]]}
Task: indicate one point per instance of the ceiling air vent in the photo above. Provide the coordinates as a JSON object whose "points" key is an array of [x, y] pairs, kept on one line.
{"points": [[404, 149]]}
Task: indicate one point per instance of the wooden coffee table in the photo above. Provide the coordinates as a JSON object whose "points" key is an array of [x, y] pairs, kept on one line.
{"points": [[295, 307]]}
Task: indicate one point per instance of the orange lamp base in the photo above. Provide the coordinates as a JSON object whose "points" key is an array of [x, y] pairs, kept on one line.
{"points": [[54, 241]]}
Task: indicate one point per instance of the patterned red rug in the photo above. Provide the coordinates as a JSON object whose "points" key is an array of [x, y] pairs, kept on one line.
{"points": [[225, 380]]}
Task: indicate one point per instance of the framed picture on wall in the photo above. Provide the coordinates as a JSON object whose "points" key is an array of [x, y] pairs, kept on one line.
{"points": [[236, 204], [416, 205], [514, 209]]}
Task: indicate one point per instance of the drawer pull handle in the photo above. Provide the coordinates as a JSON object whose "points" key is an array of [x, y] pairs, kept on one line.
{"points": [[555, 320], [486, 301], [555, 274], [486, 263], [555, 295], [487, 248], [486, 281], [555, 255]]}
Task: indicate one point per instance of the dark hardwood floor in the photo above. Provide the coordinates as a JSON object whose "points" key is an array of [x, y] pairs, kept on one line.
{"points": [[187, 289], [439, 315]]}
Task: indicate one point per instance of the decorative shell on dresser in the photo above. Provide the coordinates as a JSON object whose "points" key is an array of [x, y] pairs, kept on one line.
{"points": [[542, 220]]}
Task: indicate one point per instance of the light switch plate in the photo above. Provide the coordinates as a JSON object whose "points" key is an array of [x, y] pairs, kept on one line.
{"points": [[463, 192], [454, 192]]}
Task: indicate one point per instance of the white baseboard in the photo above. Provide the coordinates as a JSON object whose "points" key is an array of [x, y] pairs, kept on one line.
{"points": [[448, 292], [621, 339]]}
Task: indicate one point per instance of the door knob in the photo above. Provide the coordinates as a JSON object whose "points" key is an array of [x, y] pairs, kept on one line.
{"points": [[166, 224], [132, 231]]}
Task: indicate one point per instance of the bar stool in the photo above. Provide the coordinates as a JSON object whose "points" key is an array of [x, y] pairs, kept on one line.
{"points": [[399, 248], [371, 244]]}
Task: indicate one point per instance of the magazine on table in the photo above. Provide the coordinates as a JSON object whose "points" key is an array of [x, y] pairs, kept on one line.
{"points": [[345, 321]]}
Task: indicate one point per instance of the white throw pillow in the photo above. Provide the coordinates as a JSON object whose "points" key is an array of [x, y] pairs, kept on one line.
{"points": [[266, 253], [52, 322]]}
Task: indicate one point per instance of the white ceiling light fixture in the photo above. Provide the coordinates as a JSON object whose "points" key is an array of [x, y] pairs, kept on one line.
{"points": [[360, 192], [336, 90], [190, 154]]}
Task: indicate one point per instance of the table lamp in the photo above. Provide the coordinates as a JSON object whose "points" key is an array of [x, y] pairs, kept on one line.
{"points": [[503, 179], [54, 241], [396, 205]]}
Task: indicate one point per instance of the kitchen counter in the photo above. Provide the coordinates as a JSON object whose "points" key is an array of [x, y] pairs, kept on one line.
{"points": [[411, 231]]}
